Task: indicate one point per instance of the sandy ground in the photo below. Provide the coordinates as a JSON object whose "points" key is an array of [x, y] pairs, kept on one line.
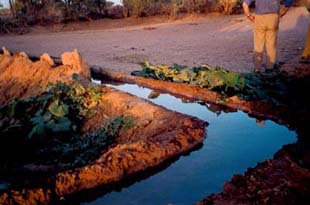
{"points": [[216, 40]]}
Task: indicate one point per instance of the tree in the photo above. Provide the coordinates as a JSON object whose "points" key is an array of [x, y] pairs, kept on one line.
{"points": [[11, 2], [228, 6], [135, 7]]}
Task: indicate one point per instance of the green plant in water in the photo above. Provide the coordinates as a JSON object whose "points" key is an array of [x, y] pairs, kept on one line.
{"points": [[204, 76], [275, 87]]}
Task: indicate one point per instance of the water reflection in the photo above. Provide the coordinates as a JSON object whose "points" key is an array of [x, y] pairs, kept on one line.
{"points": [[4, 185], [234, 142]]}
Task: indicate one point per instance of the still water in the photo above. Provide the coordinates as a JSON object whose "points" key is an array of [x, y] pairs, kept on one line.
{"points": [[234, 143]]}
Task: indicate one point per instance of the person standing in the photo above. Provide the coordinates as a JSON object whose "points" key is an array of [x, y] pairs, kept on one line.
{"points": [[266, 26]]}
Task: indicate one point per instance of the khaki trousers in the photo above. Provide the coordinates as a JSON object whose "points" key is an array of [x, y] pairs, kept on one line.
{"points": [[266, 28]]}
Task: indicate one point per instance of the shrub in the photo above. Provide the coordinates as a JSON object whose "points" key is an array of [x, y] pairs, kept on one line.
{"points": [[46, 12], [202, 6], [228, 6], [189, 6], [13, 26], [55, 11], [135, 8], [157, 8], [174, 8]]}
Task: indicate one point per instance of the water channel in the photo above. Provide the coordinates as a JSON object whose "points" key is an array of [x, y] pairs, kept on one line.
{"points": [[234, 143]]}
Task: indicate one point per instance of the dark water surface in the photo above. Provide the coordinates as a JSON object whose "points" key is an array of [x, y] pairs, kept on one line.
{"points": [[234, 143], [3, 185]]}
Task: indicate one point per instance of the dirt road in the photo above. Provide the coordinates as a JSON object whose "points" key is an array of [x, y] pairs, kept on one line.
{"points": [[223, 40]]}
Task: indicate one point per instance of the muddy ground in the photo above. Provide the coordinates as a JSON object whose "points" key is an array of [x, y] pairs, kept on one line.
{"points": [[215, 40], [157, 135], [282, 180]]}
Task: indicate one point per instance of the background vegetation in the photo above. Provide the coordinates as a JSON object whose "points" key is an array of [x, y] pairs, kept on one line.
{"points": [[55, 11], [24, 13]]}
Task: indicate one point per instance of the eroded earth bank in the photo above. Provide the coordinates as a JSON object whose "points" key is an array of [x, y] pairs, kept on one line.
{"points": [[152, 135]]}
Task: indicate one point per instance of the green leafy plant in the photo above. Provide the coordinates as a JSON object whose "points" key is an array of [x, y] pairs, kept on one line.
{"points": [[62, 107], [275, 87], [79, 150], [47, 127], [56, 113], [204, 76]]}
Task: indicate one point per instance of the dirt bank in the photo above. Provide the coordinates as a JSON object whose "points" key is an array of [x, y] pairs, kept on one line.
{"points": [[21, 78], [157, 136], [283, 180]]}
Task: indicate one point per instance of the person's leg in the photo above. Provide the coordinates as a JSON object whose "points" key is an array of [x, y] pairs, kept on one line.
{"points": [[259, 41], [272, 21], [306, 54]]}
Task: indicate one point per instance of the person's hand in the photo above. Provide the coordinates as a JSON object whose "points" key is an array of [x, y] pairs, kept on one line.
{"points": [[251, 18], [247, 11]]}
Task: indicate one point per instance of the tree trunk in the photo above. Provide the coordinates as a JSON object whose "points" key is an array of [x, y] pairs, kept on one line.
{"points": [[12, 8]]}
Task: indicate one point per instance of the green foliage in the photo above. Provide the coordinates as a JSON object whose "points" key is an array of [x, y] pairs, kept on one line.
{"points": [[63, 107], [275, 87], [59, 109], [49, 122], [204, 76], [79, 150], [79, 97], [47, 127]]}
